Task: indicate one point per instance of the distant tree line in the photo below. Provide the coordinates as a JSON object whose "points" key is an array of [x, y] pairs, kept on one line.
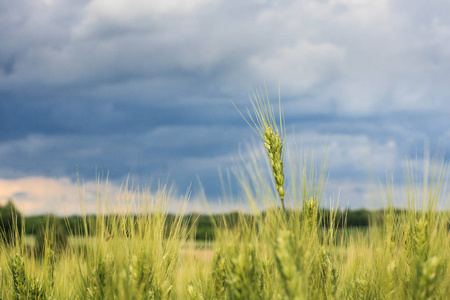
{"points": [[49, 231], [202, 227], [10, 222]]}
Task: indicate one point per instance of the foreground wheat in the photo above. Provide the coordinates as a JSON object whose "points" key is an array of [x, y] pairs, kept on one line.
{"points": [[264, 124]]}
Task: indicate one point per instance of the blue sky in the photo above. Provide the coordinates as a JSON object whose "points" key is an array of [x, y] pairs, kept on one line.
{"points": [[142, 89]]}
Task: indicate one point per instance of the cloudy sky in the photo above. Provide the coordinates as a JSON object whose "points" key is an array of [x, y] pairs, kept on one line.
{"points": [[141, 89]]}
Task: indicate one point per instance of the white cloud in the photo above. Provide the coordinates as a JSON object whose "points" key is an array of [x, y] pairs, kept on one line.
{"points": [[354, 195], [42, 195], [38, 195], [361, 57], [350, 154], [300, 67]]}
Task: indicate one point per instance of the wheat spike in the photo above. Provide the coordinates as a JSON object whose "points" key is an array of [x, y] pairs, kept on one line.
{"points": [[274, 147], [17, 267], [429, 277], [421, 240], [272, 135], [286, 265]]}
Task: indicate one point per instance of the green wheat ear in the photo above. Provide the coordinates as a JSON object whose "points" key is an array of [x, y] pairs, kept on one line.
{"points": [[271, 134], [17, 267], [274, 147]]}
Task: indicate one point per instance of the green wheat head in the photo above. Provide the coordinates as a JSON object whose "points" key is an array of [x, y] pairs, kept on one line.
{"points": [[17, 267], [24, 287], [264, 123], [429, 277], [193, 293], [359, 290], [329, 275], [290, 275], [142, 272], [421, 240], [219, 274], [243, 280], [274, 147], [99, 277], [310, 214]]}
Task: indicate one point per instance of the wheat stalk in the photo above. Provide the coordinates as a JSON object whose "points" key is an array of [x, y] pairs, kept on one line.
{"points": [[264, 124]]}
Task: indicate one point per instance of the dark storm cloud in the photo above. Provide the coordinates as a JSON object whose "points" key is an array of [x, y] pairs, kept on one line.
{"points": [[104, 116], [144, 87]]}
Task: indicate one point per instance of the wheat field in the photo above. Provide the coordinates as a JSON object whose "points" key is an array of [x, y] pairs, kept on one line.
{"points": [[288, 250]]}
